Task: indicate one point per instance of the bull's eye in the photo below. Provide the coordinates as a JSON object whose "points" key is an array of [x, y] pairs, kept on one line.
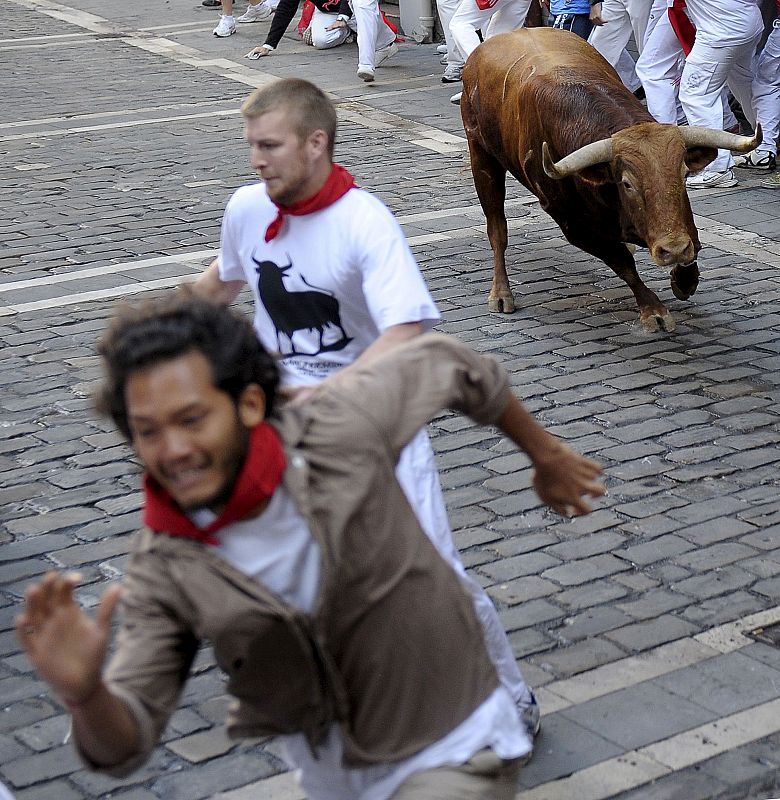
{"points": [[627, 185]]}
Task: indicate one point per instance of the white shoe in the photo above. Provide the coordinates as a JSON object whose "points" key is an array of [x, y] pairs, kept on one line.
{"points": [[455, 99], [380, 56], [441, 48], [365, 73], [453, 73], [707, 179], [756, 159], [308, 37], [256, 13], [226, 26]]}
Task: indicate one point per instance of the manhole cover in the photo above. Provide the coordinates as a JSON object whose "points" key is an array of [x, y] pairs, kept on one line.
{"points": [[767, 635]]}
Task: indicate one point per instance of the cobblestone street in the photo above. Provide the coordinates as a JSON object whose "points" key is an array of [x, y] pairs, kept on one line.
{"points": [[121, 142]]}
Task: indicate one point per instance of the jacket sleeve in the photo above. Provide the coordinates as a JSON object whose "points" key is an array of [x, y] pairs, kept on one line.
{"points": [[153, 654], [404, 389], [281, 21]]}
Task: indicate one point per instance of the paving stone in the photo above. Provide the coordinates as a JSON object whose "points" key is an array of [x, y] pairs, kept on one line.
{"points": [[578, 657], [657, 714], [715, 530], [585, 570], [28, 770], [590, 622], [641, 636], [518, 566], [46, 733], [51, 790], [564, 747], [660, 549], [653, 603], [591, 594], [724, 684], [710, 558], [717, 582], [521, 590]]}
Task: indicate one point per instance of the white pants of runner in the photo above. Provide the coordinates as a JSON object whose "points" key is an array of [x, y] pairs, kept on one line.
{"points": [[626, 69], [766, 89], [504, 16], [621, 17], [417, 474], [707, 70], [660, 68], [373, 32], [447, 9], [323, 39]]}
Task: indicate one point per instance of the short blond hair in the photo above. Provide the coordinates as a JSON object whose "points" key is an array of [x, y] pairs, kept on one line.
{"points": [[308, 107]]}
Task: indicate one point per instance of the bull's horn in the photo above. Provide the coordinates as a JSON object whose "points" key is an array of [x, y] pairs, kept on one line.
{"points": [[709, 137], [587, 156]]}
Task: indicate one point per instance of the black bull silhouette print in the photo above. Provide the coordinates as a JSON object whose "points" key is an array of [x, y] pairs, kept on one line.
{"points": [[297, 311]]}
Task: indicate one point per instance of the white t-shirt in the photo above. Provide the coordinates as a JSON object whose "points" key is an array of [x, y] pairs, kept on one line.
{"points": [[724, 23], [277, 549], [328, 284]]}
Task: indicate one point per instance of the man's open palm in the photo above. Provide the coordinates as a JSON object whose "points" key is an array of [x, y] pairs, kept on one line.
{"points": [[66, 646]]}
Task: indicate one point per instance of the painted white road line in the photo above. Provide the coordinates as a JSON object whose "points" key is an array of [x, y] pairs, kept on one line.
{"points": [[28, 123], [108, 269], [637, 767], [662, 660]]}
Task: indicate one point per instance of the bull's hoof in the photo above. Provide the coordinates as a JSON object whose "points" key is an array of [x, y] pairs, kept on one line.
{"points": [[501, 305], [685, 280], [653, 321]]}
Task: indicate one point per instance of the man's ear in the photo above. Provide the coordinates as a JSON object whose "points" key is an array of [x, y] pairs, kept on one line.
{"points": [[251, 406], [318, 141]]}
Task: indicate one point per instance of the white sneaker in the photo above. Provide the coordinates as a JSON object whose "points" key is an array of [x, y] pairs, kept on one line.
{"points": [[455, 99], [444, 59], [441, 48], [308, 37], [256, 13], [453, 73], [712, 180], [365, 73], [756, 159], [382, 55], [226, 27]]}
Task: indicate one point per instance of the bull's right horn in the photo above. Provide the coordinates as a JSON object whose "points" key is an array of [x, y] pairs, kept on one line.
{"points": [[594, 153], [723, 140]]}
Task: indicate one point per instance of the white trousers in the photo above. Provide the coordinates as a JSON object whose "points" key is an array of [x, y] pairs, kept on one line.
{"points": [[323, 39], [766, 89], [416, 472], [372, 32], [447, 9], [504, 16], [706, 72], [621, 17], [660, 65]]}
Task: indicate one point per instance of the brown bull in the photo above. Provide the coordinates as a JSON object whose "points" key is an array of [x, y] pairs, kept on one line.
{"points": [[543, 105]]}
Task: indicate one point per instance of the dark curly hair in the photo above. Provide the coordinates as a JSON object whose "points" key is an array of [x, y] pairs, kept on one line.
{"points": [[163, 329]]}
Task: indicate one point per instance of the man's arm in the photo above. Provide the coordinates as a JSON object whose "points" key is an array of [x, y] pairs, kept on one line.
{"points": [[409, 385], [562, 478], [211, 287], [67, 648]]}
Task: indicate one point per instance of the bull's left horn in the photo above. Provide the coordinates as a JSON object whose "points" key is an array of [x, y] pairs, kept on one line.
{"points": [[594, 153], [709, 137]]}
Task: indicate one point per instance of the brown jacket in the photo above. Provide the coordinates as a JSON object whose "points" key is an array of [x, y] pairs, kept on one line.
{"points": [[393, 650]]}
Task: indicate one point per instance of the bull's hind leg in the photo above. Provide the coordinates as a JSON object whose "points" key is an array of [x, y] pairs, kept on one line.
{"points": [[490, 183]]}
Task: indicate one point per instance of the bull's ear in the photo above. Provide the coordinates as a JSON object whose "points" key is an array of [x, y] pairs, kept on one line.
{"points": [[697, 158], [598, 174]]}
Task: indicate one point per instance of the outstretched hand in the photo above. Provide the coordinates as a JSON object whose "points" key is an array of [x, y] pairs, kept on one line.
{"points": [[66, 646], [563, 479], [258, 52]]}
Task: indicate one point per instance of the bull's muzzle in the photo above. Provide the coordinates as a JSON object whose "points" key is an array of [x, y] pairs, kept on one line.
{"points": [[671, 250]]}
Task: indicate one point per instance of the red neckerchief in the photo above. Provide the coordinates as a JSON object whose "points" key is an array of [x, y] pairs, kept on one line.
{"points": [[682, 26], [260, 474], [339, 182]]}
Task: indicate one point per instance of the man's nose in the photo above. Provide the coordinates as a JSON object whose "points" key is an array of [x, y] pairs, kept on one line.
{"points": [[175, 445]]}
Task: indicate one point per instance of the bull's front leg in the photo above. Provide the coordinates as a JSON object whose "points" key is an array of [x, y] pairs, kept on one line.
{"points": [[653, 314], [490, 183]]}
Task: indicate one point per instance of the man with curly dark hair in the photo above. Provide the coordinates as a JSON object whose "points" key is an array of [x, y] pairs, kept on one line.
{"points": [[283, 538]]}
